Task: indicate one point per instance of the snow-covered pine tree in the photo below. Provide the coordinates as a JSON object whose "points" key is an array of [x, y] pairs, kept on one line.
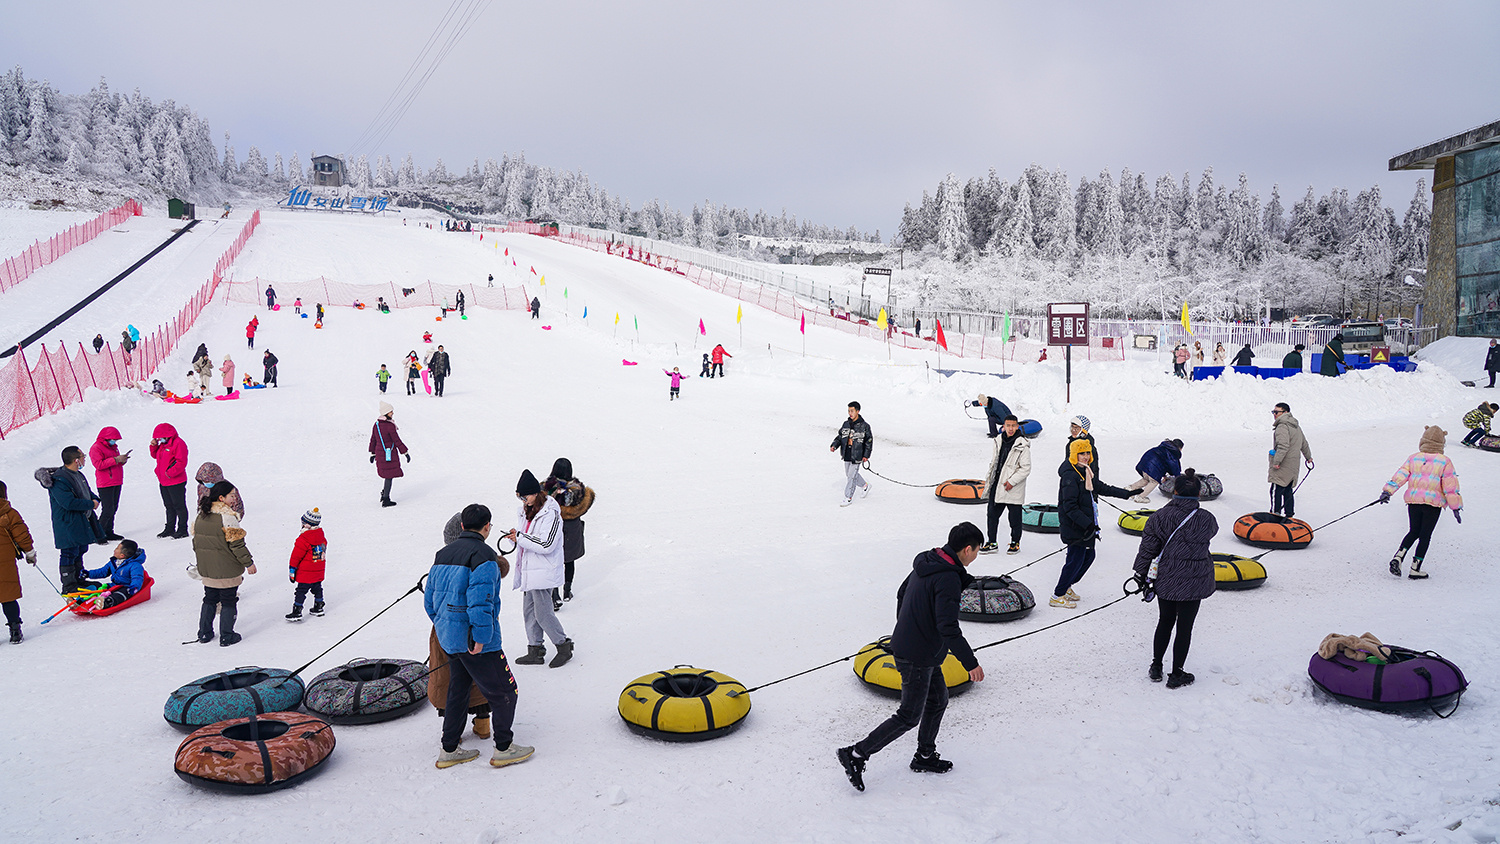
{"points": [[255, 170], [952, 240], [1015, 238], [406, 177], [1411, 252], [41, 134], [278, 171], [229, 172], [294, 169], [1110, 235], [439, 174], [542, 203]]}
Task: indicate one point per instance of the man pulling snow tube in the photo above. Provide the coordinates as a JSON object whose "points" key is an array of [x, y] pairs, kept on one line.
{"points": [[995, 598], [1269, 530], [1212, 487], [1410, 681], [1133, 522], [233, 694], [961, 491], [366, 691], [684, 704], [1233, 572], [1040, 518], [875, 666], [256, 754]]}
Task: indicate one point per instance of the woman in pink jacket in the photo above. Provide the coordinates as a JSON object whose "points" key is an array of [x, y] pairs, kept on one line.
{"points": [[171, 455], [109, 475], [228, 370], [1431, 485]]}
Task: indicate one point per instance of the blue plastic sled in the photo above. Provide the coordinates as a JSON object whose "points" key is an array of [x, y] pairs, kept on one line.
{"points": [[1030, 428]]}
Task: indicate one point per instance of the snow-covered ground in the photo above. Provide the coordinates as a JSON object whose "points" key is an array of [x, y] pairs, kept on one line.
{"points": [[21, 227], [717, 541]]}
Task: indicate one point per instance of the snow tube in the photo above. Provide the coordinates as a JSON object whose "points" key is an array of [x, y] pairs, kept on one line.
{"points": [[1412, 681], [304, 316], [1233, 572], [684, 704], [141, 597], [245, 691], [1040, 518], [1488, 443], [1212, 487], [275, 307], [876, 667], [366, 691], [256, 754], [231, 397], [961, 491], [1133, 522], [995, 598], [1268, 530], [1030, 428]]}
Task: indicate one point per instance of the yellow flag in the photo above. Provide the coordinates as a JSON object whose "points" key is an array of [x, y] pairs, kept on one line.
{"points": [[617, 317], [739, 311], [880, 319], [543, 282], [1185, 326]]}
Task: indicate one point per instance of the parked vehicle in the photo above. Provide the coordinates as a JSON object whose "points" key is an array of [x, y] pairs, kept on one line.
{"points": [[1314, 320], [1360, 335], [1397, 322]]}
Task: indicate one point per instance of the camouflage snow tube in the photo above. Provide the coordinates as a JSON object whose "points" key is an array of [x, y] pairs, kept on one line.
{"points": [[365, 691], [257, 754], [248, 690]]}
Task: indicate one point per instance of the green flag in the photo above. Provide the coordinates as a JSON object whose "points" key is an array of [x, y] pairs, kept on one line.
{"points": [[565, 292], [1005, 329], [637, 323]]}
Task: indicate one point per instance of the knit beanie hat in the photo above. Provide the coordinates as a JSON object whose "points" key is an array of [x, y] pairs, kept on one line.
{"points": [[1076, 447], [984, 399], [562, 469], [386, 409], [1081, 421], [527, 485], [1433, 439], [312, 518]]}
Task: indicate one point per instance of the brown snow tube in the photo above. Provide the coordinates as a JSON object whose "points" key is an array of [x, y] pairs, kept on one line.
{"points": [[257, 754], [961, 491], [437, 681]]}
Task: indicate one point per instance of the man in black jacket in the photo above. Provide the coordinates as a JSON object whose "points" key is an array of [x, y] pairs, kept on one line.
{"points": [[926, 631], [269, 361], [854, 443], [437, 362], [1492, 362]]}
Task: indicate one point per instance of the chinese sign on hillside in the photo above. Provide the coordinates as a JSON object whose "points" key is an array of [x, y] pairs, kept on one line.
{"points": [[301, 197]]}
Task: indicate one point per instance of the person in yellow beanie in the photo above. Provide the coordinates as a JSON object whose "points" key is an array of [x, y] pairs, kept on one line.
{"points": [[1078, 494]]}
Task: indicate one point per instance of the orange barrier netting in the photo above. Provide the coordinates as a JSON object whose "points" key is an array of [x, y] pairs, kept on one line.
{"points": [[43, 252], [56, 380], [330, 293]]}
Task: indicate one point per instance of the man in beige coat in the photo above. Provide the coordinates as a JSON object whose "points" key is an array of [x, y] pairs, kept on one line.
{"points": [[1287, 441], [1005, 483]]}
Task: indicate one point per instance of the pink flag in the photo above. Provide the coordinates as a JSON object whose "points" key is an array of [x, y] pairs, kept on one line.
{"points": [[701, 329], [533, 270], [507, 251], [803, 327]]}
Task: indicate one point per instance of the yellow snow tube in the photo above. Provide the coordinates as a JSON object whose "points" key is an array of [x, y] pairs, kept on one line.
{"points": [[1232, 571], [875, 665], [684, 704], [1133, 522]]}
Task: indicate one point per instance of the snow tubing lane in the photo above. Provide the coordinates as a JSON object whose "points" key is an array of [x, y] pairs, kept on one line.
{"points": [[1411, 681], [1212, 487], [875, 666], [245, 691], [367, 691], [1234, 572], [141, 597], [1030, 428], [1040, 518], [1133, 522], [961, 491], [1268, 530], [684, 704], [255, 755], [995, 598]]}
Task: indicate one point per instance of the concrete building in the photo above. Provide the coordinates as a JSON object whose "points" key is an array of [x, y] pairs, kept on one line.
{"points": [[1462, 292], [327, 171]]}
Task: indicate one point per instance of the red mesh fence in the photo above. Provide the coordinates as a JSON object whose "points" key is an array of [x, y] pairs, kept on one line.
{"points": [[330, 293], [43, 252], [31, 388]]}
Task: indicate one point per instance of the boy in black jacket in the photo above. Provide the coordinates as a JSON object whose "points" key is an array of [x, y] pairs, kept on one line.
{"points": [[926, 631]]}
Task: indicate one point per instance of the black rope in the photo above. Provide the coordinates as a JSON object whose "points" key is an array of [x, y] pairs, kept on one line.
{"points": [[416, 588], [1037, 560], [1056, 623], [1320, 527], [899, 483]]}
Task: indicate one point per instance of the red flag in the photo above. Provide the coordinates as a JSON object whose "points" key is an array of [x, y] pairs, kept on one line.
{"points": [[507, 251], [938, 333], [481, 237], [803, 327], [533, 270], [513, 262], [701, 329]]}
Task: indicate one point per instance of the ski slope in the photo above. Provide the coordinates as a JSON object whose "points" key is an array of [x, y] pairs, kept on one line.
{"points": [[717, 541]]}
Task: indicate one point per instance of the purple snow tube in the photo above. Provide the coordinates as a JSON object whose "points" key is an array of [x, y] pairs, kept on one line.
{"points": [[1411, 681]]}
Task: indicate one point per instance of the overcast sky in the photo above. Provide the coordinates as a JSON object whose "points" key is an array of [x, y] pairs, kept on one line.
{"points": [[840, 112]]}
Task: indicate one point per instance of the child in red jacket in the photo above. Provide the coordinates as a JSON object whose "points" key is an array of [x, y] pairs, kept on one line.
{"points": [[309, 555]]}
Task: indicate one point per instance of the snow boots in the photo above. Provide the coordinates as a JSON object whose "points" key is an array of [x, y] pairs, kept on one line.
{"points": [[535, 655], [564, 653], [930, 763], [482, 725], [1397, 560], [854, 766], [1416, 572], [317, 609], [15, 634], [295, 615], [230, 638], [1154, 672], [1178, 679]]}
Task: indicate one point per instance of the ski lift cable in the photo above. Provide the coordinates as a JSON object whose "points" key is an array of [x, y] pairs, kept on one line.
{"points": [[410, 72]]}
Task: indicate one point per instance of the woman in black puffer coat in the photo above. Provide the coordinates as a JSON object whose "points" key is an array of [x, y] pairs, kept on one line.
{"points": [[1176, 537]]}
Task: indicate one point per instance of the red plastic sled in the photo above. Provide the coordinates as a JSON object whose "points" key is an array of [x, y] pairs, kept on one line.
{"points": [[275, 307], [624, 362], [87, 607], [186, 400]]}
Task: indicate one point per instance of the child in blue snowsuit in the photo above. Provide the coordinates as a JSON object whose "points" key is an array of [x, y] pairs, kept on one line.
{"points": [[125, 570]]}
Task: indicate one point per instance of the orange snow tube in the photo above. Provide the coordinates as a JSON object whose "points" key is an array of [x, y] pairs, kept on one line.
{"points": [[1268, 530], [257, 754], [961, 491]]}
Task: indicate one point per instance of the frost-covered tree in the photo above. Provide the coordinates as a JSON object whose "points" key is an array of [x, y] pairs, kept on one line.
{"points": [[255, 170], [294, 169], [951, 238], [1014, 238], [230, 167], [41, 135], [385, 174], [1273, 223], [1411, 249], [1109, 235], [406, 177], [439, 174]]}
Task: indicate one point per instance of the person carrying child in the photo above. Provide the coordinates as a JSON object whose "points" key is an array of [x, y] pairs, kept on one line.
{"points": [[676, 376], [309, 556], [126, 571]]}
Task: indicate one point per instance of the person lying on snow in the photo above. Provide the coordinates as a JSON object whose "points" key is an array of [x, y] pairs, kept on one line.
{"points": [[126, 571]]}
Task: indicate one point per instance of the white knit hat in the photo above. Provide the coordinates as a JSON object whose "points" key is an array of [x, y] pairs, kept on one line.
{"points": [[386, 409], [1081, 421]]}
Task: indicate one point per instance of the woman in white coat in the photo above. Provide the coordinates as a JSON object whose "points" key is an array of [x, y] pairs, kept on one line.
{"points": [[539, 570], [1005, 483]]}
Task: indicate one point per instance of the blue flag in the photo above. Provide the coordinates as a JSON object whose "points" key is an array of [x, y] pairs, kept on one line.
{"points": [[585, 311]]}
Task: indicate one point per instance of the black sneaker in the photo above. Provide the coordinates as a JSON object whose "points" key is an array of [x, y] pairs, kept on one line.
{"points": [[317, 609], [229, 639], [205, 638], [164, 534], [854, 766], [1178, 679], [567, 593], [1155, 672], [387, 503], [930, 764], [989, 548], [1015, 548]]}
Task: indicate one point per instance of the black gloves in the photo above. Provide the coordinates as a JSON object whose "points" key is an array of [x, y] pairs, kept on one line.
{"points": [[372, 458], [408, 457]]}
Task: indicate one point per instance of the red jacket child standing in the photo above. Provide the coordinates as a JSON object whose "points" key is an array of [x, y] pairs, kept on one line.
{"points": [[309, 557]]}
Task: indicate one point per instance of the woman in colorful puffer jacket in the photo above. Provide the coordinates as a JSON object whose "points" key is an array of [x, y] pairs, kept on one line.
{"points": [[1431, 484]]}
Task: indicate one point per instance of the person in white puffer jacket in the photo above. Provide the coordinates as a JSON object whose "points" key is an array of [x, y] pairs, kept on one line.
{"points": [[1005, 483], [539, 570]]}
